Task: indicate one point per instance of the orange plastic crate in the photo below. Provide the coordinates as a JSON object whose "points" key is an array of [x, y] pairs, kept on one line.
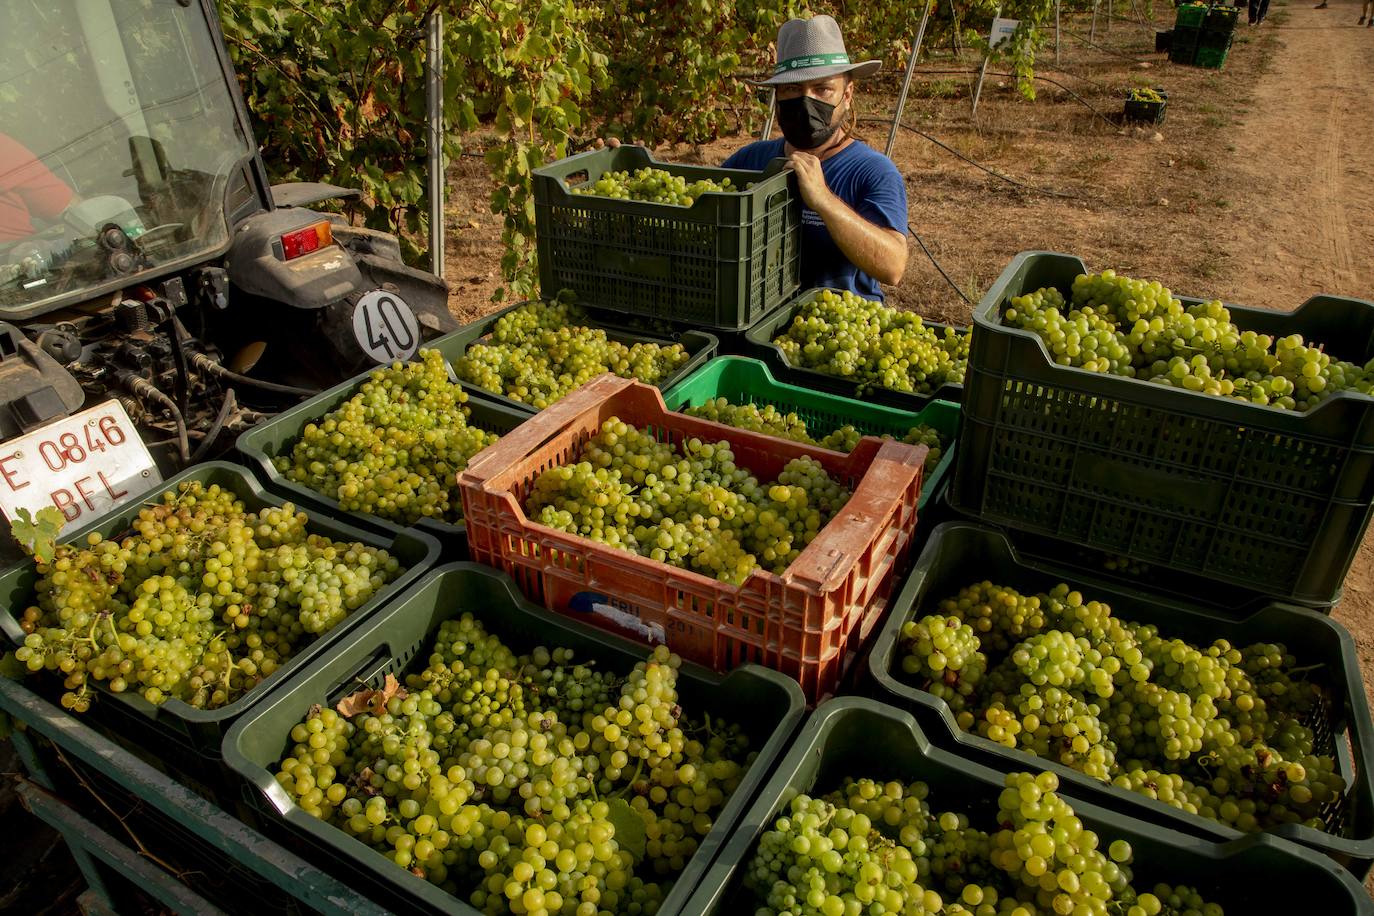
{"points": [[806, 622]]}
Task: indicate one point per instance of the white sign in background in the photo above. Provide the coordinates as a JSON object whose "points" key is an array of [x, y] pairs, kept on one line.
{"points": [[1002, 30], [85, 465]]}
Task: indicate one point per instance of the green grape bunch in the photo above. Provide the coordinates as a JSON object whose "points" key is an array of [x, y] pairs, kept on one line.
{"points": [[393, 449], [843, 334], [655, 186], [773, 422], [1137, 329], [880, 847], [1221, 731], [537, 353], [199, 602], [480, 775], [689, 504]]}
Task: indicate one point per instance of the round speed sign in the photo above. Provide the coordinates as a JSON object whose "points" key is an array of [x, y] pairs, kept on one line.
{"points": [[385, 327]]}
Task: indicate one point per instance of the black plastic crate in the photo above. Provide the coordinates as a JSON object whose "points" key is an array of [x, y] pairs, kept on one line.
{"points": [[178, 739], [1145, 110], [721, 263], [959, 554], [857, 737], [1266, 500], [768, 705]]}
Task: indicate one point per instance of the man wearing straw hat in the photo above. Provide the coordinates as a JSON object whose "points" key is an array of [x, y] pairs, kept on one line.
{"points": [[854, 218]]}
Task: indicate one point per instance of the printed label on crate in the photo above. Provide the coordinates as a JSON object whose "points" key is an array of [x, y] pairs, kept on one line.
{"points": [[619, 613]]}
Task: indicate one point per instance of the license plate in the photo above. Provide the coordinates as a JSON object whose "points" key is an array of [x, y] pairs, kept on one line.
{"points": [[85, 465]]}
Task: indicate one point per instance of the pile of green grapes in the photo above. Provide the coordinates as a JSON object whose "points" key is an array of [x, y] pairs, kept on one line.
{"points": [[531, 784], [538, 353], [874, 847], [1214, 730], [1137, 329], [689, 505], [1146, 94], [199, 602], [653, 185], [843, 334], [773, 422], [394, 448]]}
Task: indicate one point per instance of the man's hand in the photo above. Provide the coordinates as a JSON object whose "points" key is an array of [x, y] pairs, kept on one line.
{"points": [[810, 180]]}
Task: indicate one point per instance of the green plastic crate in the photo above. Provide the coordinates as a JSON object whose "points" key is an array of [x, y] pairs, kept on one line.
{"points": [[720, 263], [959, 554], [1263, 499], [181, 739], [138, 815], [1213, 39], [858, 737], [741, 380], [759, 341], [1183, 45], [1190, 16], [1148, 112], [768, 705], [1211, 58], [279, 434], [700, 345], [1222, 19]]}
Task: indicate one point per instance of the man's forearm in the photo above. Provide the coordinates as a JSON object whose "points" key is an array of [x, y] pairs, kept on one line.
{"points": [[879, 252]]}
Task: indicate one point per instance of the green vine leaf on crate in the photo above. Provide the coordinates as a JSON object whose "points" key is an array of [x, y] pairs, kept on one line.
{"points": [[629, 827], [37, 533]]}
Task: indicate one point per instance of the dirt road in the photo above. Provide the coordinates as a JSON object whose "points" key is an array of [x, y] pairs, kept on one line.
{"points": [[1305, 148]]}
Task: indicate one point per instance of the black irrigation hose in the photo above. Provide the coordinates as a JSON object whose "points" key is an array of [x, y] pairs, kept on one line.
{"points": [[978, 165], [1105, 50], [952, 285], [1044, 79]]}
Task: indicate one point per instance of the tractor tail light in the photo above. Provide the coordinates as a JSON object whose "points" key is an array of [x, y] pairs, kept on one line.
{"points": [[303, 241]]}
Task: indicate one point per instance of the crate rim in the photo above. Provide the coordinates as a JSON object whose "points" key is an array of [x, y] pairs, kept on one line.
{"points": [[556, 171], [896, 692]]}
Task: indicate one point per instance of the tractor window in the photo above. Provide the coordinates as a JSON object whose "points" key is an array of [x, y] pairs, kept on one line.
{"points": [[117, 135]]}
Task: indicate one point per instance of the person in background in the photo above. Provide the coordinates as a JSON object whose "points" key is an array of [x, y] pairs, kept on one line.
{"points": [[854, 215], [28, 189], [1258, 10]]}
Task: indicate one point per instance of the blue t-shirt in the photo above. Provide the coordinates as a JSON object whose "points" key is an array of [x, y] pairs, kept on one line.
{"points": [[858, 175]]}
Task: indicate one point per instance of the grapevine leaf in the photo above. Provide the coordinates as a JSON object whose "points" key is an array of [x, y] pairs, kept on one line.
{"points": [[37, 533], [629, 827]]}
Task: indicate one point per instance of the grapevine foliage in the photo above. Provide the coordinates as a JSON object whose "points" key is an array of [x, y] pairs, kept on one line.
{"points": [[337, 91]]}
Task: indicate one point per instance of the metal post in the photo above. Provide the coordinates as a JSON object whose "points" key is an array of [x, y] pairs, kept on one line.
{"points": [[983, 70], [906, 83], [1092, 29], [1111, 8], [1056, 33], [434, 98], [772, 108]]}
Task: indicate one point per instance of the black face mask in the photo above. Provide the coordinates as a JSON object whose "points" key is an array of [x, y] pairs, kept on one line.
{"points": [[805, 121]]}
